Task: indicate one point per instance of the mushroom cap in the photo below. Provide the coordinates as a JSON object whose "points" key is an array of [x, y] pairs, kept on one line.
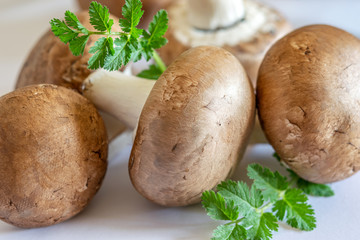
{"points": [[53, 148], [267, 25], [194, 127], [308, 95], [51, 61], [150, 7]]}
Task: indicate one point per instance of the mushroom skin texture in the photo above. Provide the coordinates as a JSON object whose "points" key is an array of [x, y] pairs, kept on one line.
{"points": [[194, 127], [308, 97], [53, 148], [51, 61], [150, 8], [248, 40]]}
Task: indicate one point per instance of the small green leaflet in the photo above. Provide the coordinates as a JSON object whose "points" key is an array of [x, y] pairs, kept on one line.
{"points": [[132, 14], [100, 17], [100, 50], [217, 208], [154, 38], [241, 195], [270, 182], [153, 72], [73, 22], [77, 45], [298, 213], [314, 189], [121, 57], [266, 224], [61, 30], [115, 49], [229, 232]]}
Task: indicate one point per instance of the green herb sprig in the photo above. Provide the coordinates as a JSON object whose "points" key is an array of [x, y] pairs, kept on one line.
{"points": [[253, 213], [115, 49]]}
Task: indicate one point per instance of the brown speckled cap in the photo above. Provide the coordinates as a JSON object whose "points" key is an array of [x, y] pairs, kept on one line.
{"points": [[193, 128], [308, 96], [53, 155]]}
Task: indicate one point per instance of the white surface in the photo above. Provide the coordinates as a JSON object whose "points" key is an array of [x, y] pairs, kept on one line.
{"points": [[118, 211]]}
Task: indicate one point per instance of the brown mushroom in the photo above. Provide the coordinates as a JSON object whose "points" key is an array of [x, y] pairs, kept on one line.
{"points": [[308, 96], [193, 128], [53, 148], [115, 6], [246, 28], [51, 61]]}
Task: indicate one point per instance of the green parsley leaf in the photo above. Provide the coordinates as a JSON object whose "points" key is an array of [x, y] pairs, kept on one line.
{"points": [[100, 17], [217, 208], [240, 194], [270, 182], [314, 189], [154, 38], [61, 30], [298, 213], [73, 22], [77, 45], [121, 57], [267, 223], [153, 72], [101, 49], [131, 44], [229, 232], [132, 14]]}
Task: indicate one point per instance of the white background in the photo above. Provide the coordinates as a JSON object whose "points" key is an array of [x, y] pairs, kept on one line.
{"points": [[118, 211]]}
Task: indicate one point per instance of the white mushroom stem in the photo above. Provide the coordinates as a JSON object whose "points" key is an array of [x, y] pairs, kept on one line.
{"points": [[215, 14], [118, 94]]}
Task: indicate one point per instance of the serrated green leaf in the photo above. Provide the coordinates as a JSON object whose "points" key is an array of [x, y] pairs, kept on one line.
{"points": [[100, 17], [229, 232], [315, 189], [154, 38], [157, 29], [217, 208], [132, 14], [272, 183], [240, 194], [135, 48], [121, 56], [77, 45], [296, 210], [153, 72], [267, 223], [61, 30], [72, 21], [100, 50]]}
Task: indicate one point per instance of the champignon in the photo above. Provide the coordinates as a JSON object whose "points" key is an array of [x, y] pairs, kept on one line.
{"points": [[53, 148], [246, 28], [308, 96], [51, 61], [193, 128]]}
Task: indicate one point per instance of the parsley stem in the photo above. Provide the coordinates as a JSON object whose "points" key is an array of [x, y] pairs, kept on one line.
{"points": [[159, 61], [106, 33], [235, 222], [262, 209]]}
